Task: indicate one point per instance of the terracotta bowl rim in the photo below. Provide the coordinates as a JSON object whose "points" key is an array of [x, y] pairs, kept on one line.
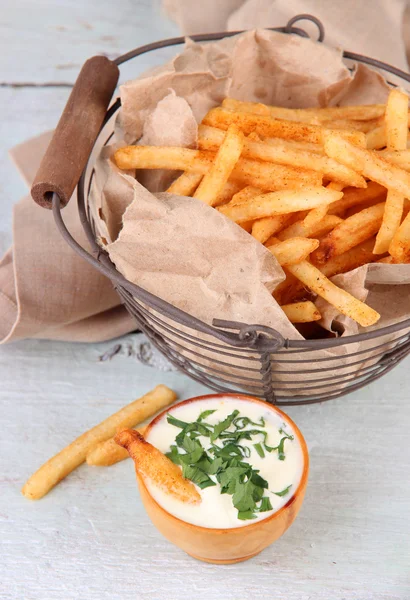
{"points": [[250, 526]]}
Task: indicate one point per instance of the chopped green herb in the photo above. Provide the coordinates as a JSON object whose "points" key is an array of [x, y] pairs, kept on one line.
{"points": [[242, 422], [245, 515], [283, 492], [173, 455], [281, 447], [265, 504], [259, 450], [197, 476], [223, 425], [204, 415], [173, 421]]}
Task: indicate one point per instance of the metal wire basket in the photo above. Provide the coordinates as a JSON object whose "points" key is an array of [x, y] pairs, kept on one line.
{"points": [[225, 356]]}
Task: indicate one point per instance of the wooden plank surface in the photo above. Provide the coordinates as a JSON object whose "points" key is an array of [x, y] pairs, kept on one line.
{"points": [[90, 538]]}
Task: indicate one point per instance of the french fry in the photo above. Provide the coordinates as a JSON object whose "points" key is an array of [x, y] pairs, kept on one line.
{"points": [[294, 145], [293, 251], [319, 229], [291, 290], [109, 452], [151, 464], [351, 232], [163, 157], [376, 138], [352, 259], [397, 120], [58, 467], [185, 184], [266, 126], [263, 229], [246, 172], [344, 302], [369, 164], [229, 190], [397, 127], [210, 138], [388, 260], [225, 160], [400, 158], [364, 126], [357, 197], [315, 215], [301, 312], [357, 113], [246, 194], [278, 203], [400, 245]]}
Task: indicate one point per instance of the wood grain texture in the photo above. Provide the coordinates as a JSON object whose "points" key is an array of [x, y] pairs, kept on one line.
{"points": [[90, 538]]}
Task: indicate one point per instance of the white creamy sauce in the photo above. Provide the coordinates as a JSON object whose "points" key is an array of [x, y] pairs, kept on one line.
{"points": [[217, 510]]}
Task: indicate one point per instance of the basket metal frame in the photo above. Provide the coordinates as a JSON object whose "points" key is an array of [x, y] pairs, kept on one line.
{"points": [[262, 347]]}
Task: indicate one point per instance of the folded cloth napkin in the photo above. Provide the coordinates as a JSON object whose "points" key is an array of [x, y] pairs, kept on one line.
{"points": [[46, 290]]}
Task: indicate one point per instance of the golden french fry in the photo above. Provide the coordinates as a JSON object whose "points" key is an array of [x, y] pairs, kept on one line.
{"points": [[315, 215], [225, 160], [357, 197], [397, 127], [210, 138], [353, 258], [356, 113], [397, 120], [369, 164], [109, 452], [364, 126], [229, 190], [163, 157], [246, 194], [266, 126], [400, 245], [376, 138], [344, 302], [335, 185], [293, 251], [319, 229], [263, 229], [294, 145], [301, 312], [389, 260], [278, 203], [273, 177], [58, 467], [185, 184], [351, 232], [400, 158], [151, 464]]}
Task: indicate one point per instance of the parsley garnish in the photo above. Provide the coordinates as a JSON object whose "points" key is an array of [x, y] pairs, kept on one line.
{"points": [[224, 462]]}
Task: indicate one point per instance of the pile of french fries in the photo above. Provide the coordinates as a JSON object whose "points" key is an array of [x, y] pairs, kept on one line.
{"points": [[324, 189]]}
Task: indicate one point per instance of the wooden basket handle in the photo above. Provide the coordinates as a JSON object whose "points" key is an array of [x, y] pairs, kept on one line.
{"points": [[76, 132]]}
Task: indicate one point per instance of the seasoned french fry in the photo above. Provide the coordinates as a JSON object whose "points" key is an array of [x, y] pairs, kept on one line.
{"points": [[319, 229], [225, 160], [186, 184], [58, 467], [301, 312], [294, 145], [263, 229], [400, 245], [151, 464], [315, 215], [357, 197], [397, 128], [352, 259], [364, 126], [358, 113], [278, 203], [210, 138], [293, 251], [369, 164], [163, 157], [351, 232], [109, 452], [267, 126], [397, 120], [246, 194], [376, 138], [347, 304], [389, 260], [400, 158], [229, 190], [246, 172]]}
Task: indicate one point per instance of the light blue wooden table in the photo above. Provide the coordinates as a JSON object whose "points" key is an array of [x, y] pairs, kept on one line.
{"points": [[90, 539]]}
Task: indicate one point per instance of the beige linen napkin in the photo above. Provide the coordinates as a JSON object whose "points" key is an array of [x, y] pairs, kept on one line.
{"points": [[46, 290]]}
